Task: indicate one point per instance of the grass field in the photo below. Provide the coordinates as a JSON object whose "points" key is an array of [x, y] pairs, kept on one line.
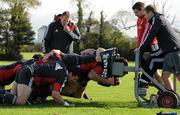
{"points": [[118, 100]]}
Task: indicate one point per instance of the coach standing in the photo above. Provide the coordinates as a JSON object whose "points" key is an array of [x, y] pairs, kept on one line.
{"points": [[61, 34]]}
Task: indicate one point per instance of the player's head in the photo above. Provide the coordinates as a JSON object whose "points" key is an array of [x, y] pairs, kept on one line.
{"points": [[138, 9], [150, 11], [72, 77], [98, 53], [65, 18]]}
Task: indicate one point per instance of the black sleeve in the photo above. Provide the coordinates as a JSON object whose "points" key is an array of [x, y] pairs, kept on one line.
{"points": [[75, 34], [152, 33], [48, 38], [70, 59], [60, 80], [86, 59]]}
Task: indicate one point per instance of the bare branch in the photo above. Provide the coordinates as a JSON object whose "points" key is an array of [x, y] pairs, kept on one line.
{"points": [[129, 27], [172, 22], [132, 2]]}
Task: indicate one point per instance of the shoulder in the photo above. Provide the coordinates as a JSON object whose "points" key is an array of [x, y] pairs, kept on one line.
{"points": [[52, 24], [158, 17]]}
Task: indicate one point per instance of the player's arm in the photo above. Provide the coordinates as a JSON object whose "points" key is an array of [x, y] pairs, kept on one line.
{"points": [[54, 52], [75, 34], [58, 98], [95, 77], [157, 23]]}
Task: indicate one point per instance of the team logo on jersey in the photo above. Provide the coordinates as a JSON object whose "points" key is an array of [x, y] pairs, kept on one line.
{"points": [[58, 66], [56, 30]]}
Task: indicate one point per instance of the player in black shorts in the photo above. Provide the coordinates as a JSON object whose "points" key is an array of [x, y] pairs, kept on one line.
{"points": [[171, 65], [54, 73], [8, 72], [78, 77]]}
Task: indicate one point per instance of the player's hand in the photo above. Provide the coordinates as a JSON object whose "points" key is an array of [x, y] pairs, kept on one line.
{"points": [[66, 104], [110, 81], [66, 28], [45, 58]]}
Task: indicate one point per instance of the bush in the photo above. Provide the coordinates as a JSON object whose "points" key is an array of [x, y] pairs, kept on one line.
{"points": [[31, 48]]}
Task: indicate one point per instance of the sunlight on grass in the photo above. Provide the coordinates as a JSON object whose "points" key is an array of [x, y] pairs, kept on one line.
{"points": [[29, 55]]}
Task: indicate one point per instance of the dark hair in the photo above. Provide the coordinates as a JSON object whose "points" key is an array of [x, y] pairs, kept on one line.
{"points": [[150, 8], [66, 13], [37, 56], [138, 6]]}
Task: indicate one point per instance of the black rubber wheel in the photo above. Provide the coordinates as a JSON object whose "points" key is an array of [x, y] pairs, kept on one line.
{"points": [[167, 100]]}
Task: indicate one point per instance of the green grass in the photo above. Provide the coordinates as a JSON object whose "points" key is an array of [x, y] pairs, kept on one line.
{"points": [[28, 55], [117, 100]]}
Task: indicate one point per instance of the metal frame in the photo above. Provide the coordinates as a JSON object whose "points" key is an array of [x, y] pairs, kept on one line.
{"points": [[118, 68]]}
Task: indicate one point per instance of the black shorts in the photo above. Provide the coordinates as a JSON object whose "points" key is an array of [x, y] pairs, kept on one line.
{"points": [[25, 76], [7, 81], [172, 63]]}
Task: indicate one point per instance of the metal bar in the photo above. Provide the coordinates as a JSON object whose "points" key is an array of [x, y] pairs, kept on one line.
{"points": [[174, 83], [129, 68], [136, 69], [136, 94], [137, 54], [154, 81]]}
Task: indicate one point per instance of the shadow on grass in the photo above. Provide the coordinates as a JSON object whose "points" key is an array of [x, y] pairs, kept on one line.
{"points": [[107, 104], [96, 104]]}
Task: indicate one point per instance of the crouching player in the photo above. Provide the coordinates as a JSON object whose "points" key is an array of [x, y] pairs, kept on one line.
{"points": [[53, 73], [78, 76], [89, 65], [8, 72], [74, 87]]}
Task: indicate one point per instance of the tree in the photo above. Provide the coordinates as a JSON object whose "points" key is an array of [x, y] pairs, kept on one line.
{"points": [[25, 3], [80, 23], [5, 34], [80, 15], [20, 27], [164, 7], [90, 22], [123, 20], [102, 30]]}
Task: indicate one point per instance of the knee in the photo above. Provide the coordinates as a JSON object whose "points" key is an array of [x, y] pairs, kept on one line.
{"points": [[20, 101]]}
